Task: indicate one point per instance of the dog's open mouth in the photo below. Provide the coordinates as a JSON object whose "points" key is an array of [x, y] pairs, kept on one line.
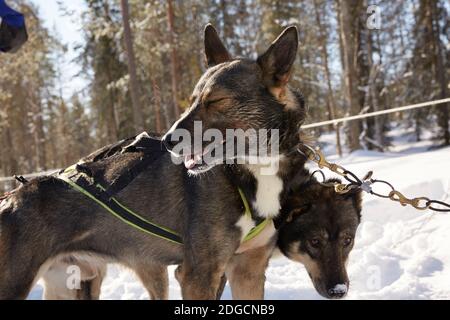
{"points": [[192, 161], [195, 164], [202, 161]]}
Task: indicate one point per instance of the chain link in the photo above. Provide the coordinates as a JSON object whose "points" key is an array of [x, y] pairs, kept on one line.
{"points": [[419, 203]]}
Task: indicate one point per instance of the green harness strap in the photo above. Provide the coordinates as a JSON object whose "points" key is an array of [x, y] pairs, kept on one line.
{"points": [[257, 229], [172, 235]]}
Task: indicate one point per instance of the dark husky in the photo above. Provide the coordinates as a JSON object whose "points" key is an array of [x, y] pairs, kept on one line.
{"points": [[317, 228], [46, 219], [319, 232]]}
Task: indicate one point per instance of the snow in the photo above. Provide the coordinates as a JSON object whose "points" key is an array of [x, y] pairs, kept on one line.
{"points": [[340, 288], [400, 252]]}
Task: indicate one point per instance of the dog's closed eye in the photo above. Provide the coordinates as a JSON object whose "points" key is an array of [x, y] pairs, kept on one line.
{"points": [[210, 103]]}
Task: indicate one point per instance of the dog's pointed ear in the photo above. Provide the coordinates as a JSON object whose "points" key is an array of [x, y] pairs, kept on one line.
{"points": [[357, 198], [215, 51], [277, 62], [297, 212]]}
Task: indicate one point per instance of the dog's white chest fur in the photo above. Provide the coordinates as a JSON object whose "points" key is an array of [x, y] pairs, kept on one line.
{"points": [[262, 239], [268, 189], [245, 223]]}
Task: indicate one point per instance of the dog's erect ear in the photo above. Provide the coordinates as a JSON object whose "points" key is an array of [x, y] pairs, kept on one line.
{"points": [[357, 198], [297, 212], [278, 60], [215, 51]]}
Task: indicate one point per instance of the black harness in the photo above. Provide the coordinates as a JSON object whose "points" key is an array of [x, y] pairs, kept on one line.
{"points": [[83, 178]]}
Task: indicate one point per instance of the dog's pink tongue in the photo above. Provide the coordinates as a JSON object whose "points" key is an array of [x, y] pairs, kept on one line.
{"points": [[189, 162]]}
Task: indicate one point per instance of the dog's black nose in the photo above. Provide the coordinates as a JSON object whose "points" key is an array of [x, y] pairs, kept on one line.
{"points": [[338, 291], [168, 142]]}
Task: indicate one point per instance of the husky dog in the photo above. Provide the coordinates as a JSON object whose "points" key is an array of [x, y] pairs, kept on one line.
{"points": [[317, 229], [46, 219], [244, 95]]}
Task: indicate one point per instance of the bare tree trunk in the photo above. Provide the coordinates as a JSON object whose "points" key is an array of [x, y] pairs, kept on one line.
{"points": [[11, 166], [138, 119], [173, 59], [331, 101], [341, 44], [10, 163], [348, 22], [157, 101], [227, 26], [440, 71], [373, 93], [111, 125], [38, 134]]}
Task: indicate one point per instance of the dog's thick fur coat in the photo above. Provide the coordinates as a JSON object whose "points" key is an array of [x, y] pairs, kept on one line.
{"points": [[45, 218]]}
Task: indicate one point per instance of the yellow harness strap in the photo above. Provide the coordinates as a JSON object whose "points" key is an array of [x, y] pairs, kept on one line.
{"points": [[257, 229], [72, 169]]}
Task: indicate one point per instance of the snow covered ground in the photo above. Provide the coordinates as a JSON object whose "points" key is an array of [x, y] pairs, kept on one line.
{"points": [[400, 253]]}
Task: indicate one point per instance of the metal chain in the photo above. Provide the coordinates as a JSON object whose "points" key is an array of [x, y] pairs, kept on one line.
{"points": [[365, 184]]}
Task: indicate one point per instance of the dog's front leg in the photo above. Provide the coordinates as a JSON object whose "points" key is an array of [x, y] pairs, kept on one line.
{"points": [[246, 273], [200, 282], [155, 278]]}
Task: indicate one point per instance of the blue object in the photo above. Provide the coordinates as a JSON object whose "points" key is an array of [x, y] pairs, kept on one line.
{"points": [[10, 16]]}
